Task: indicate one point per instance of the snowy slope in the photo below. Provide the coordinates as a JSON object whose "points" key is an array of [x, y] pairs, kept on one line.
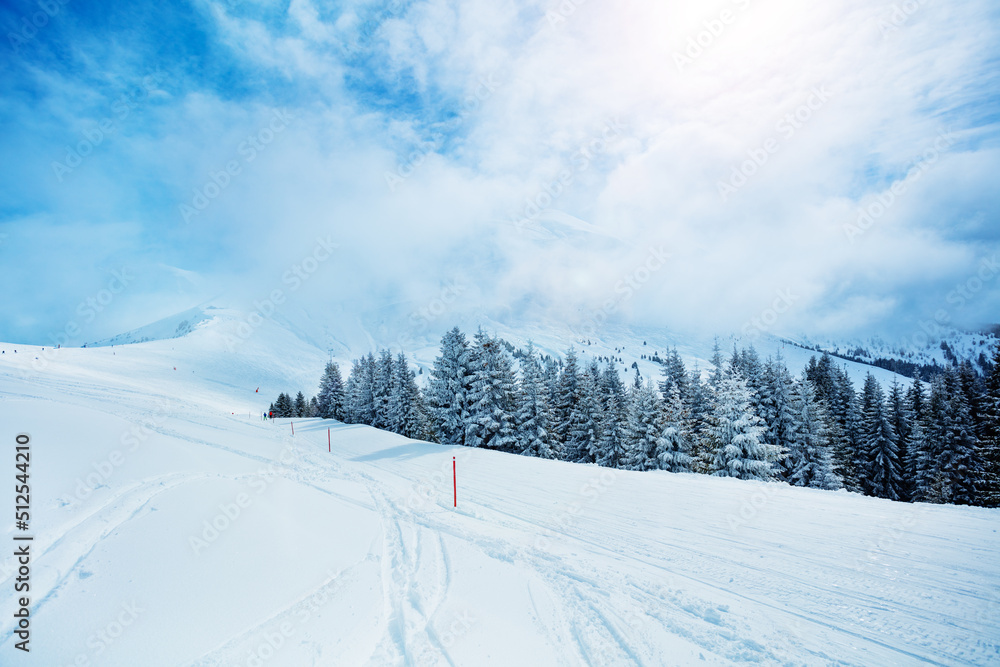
{"points": [[356, 556]]}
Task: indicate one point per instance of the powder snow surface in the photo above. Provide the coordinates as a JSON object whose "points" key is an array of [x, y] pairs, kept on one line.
{"points": [[173, 527]]}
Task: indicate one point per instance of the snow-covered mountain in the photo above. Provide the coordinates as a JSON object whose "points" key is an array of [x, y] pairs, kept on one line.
{"points": [[173, 527], [311, 337]]}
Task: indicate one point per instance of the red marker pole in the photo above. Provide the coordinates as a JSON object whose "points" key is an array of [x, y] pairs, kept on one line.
{"points": [[328, 441], [293, 427], [454, 479]]}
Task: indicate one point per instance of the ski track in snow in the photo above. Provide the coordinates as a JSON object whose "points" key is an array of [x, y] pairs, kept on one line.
{"points": [[603, 593]]}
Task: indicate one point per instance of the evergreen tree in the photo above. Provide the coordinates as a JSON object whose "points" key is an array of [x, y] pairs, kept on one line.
{"points": [[776, 406], [300, 405], [959, 462], [611, 446], [718, 366], [644, 428], [408, 411], [366, 385], [283, 407], [738, 435], [882, 473], [989, 444], [330, 400], [399, 398], [492, 396], [564, 409], [901, 422], [313, 408], [382, 390], [697, 407], [930, 483], [675, 375], [448, 389], [585, 422], [673, 447], [809, 462], [352, 395], [533, 436]]}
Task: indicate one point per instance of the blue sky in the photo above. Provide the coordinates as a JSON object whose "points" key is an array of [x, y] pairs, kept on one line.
{"points": [[748, 139]]}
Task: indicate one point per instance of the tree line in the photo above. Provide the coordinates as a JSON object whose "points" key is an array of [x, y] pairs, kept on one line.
{"points": [[749, 418]]}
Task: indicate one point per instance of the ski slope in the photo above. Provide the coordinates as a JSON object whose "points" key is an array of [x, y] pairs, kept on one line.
{"points": [[173, 527]]}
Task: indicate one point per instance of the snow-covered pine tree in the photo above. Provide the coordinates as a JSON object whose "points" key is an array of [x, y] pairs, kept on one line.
{"points": [[366, 386], [330, 400], [448, 389], [585, 422], [718, 365], [931, 483], [492, 396], [382, 389], [312, 409], [611, 446], [697, 406], [673, 447], [399, 399], [809, 462], [989, 444], [776, 406], [881, 472], [532, 420], [643, 428], [408, 410], [301, 407], [959, 461], [283, 407], [564, 408], [901, 422], [738, 434], [675, 375], [917, 455]]}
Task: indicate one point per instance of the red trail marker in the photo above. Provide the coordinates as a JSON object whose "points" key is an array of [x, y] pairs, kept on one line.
{"points": [[293, 427], [328, 440], [454, 479]]}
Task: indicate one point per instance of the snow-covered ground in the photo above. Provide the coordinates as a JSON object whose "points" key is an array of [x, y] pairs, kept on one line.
{"points": [[173, 527]]}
